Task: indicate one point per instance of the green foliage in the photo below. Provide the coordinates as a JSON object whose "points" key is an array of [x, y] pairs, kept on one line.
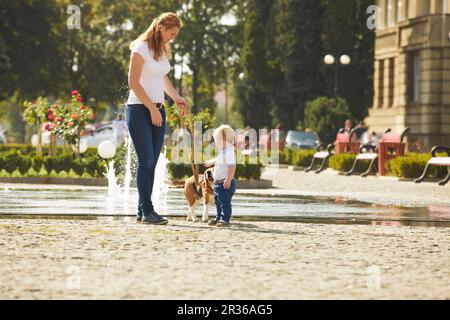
{"points": [[345, 32], [68, 119], [21, 163], [36, 112], [326, 116], [412, 166], [248, 171], [285, 42], [37, 162], [302, 158], [175, 120], [207, 45], [243, 171], [254, 91], [343, 162], [300, 53]]}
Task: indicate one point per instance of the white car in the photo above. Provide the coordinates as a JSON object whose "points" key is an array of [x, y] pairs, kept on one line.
{"points": [[103, 133]]}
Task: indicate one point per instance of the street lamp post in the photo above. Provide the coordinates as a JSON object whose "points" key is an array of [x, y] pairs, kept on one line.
{"points": [[329, 60]]}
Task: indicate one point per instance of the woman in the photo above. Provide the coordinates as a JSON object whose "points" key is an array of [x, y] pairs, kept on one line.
{"points": [[146, 117]]}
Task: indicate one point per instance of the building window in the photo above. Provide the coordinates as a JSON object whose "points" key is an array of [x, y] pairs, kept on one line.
{"points": [[389, 14], [414, 77], [380, 83], [391, 82], [400, 15], [426, 7]]}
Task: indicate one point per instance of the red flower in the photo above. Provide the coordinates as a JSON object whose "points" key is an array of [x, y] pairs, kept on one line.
{"points": [[50, 110], [59, 119], [47, 126], [74, 116], [51, 117], [80, 99], [70, 124], [74, 92], [83, 107]]}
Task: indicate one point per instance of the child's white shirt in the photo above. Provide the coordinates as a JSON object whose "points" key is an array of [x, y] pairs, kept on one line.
{"points": [[225, 158]]}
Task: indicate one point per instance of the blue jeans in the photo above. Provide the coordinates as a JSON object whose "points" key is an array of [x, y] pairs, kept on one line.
{"points": [[147, 140], [223, 197]]}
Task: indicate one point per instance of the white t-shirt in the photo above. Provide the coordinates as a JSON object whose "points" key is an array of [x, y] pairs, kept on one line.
{"points": [[225, 158], [152, 76]]}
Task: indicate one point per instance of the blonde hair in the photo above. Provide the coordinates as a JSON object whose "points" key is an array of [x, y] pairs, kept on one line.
{"points": [[224, 133], [168, 20]]}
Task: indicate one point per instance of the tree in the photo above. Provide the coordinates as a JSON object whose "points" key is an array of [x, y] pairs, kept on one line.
{"points": [[298, 31], [344, 33], [326, 116], [254, 96], [31, 62], [205, 42]]}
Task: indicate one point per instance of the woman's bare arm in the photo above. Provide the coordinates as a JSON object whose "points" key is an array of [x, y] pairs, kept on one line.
{"points": [[170, 89]]}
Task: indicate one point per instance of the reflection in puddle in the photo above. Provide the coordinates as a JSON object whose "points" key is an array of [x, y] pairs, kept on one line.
{"points": [[87, 203]]}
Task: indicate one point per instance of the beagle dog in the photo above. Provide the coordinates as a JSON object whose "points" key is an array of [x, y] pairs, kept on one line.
{"points": [[194, 195]]}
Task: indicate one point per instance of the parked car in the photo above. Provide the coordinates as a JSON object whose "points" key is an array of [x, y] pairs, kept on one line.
{"points": [[102, 133], [302, 139]]}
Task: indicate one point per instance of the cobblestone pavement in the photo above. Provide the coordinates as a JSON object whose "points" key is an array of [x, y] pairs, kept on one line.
{"points": [[118, 258]]}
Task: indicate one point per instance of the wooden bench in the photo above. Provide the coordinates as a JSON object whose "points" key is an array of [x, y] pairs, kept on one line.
{"points": [[437, 161], [344, 144]]}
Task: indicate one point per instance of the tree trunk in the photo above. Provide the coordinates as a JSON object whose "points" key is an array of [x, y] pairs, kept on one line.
{"points": [[53, 140], [39, 142], [195, 85]]}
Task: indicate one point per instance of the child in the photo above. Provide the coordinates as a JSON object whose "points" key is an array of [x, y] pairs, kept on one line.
{"points": [[225, 167]]}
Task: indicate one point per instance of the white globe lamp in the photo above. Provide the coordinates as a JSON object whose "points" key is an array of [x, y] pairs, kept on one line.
{"points": [[345, 59], [329, 59], [107, 149]]}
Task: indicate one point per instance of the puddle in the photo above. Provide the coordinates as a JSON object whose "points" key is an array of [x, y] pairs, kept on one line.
{"points": [[95, 203]]}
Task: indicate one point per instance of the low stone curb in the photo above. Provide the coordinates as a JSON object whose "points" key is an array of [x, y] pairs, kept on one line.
{"points": [[68, 181], [241, 184]]}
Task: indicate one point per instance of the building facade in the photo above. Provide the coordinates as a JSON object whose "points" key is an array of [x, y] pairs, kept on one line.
{"points": [[412, 71]]}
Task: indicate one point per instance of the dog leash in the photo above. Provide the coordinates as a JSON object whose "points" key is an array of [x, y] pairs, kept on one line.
{"points": [[193, 165]]}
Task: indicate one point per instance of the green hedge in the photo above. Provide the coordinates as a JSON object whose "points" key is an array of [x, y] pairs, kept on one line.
{"points": [[12, 160], [412, 166], [22, 160], [28, 149], [243, 171], [343, 162], [297, 157]]}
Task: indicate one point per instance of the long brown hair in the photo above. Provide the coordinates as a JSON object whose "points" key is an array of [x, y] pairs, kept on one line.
{"points": [[168, 20]]}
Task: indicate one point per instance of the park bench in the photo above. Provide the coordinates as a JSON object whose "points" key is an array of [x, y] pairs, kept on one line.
{"points": [[343, 144], [437, 161], [367, 152]]}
